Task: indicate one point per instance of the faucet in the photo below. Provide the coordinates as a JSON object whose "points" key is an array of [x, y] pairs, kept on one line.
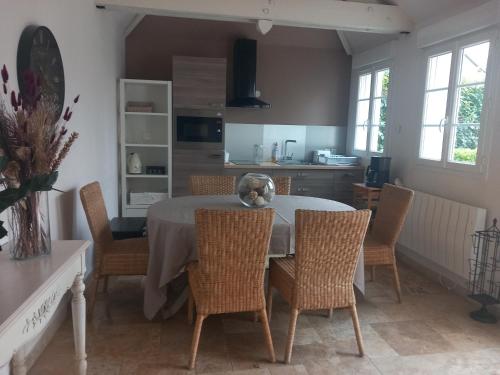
{"points": [[285, 153]]}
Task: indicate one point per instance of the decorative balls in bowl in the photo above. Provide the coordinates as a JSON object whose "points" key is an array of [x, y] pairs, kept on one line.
{"points": [[256, 190]]}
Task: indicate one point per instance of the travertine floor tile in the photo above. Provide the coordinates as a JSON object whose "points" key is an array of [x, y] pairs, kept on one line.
{"points": [[429, 333]]}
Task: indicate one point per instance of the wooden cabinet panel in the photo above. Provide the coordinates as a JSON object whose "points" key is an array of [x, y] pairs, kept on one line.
{"points": [[199, 82]]}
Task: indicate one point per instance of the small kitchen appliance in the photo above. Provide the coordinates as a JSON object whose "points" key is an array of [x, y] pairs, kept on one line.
{"points": [[377, 173], [329, 157]]}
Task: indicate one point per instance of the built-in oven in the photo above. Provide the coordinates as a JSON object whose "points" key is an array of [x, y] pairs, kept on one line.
{"points": [[199, 129]]}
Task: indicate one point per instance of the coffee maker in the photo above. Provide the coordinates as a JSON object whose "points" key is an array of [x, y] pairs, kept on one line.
{"points": [[377, 173]]}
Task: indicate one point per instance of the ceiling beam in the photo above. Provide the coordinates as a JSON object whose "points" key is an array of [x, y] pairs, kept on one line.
{"points": [[345, 42], [323, 14], [133, 24]]}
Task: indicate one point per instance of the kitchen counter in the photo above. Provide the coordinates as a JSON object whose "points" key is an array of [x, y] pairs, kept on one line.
{"points": [[272, 165]]}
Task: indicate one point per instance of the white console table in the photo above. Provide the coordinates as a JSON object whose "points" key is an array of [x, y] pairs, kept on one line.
{"points": [[31, 290]]}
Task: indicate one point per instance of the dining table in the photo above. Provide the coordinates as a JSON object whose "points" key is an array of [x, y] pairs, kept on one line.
{"points": [[172, 240]]}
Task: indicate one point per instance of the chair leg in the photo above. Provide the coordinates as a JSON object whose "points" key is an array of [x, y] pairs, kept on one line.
{"points": [[291, 335], [105, 287], [190, 307], [196, 340], [372, 273], [357, 330], [269, 302], [396, 280], [92, 295], [267, 334], [330, 314]]}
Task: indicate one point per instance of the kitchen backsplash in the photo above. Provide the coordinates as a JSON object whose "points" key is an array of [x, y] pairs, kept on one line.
{"points": [[241, 138]]}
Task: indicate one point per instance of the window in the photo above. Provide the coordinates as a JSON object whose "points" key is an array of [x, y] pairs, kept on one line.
{"points": [[371, 111], [453, 104]]}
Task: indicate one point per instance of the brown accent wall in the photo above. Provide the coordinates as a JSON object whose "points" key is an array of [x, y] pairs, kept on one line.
{"points": [[303, 73]]}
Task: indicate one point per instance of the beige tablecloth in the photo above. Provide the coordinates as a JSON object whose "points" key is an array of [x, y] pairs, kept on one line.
{"points": [[171, 234]]}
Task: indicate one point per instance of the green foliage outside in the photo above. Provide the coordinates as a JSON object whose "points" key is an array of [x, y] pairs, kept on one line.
{"points": [[383, 112], [469, 112]]}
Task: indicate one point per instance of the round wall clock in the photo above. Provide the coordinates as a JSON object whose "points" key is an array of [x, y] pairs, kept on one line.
{"points": [[38, 51]]}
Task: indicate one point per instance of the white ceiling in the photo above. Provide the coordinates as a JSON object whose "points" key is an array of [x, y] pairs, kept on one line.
{"points": [[422, 12]]}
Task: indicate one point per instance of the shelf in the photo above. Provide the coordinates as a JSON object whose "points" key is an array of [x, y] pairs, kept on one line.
{"points": [[146, 114], [144, 145], [147, 175]]}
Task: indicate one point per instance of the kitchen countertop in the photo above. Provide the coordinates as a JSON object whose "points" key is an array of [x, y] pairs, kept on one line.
{"points": [[271, 165]]}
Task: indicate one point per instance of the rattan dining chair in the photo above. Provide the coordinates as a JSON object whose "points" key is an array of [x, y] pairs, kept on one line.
{"points": [[380, 242], [282, 184], [212, 185], [320, 276], [229, 275], [111, 257]]}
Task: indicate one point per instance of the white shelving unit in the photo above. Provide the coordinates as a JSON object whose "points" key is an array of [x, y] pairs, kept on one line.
{"points": [[150, 135]]}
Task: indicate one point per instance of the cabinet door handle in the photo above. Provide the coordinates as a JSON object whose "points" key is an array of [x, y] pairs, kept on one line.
{"points": [[348, 174]]}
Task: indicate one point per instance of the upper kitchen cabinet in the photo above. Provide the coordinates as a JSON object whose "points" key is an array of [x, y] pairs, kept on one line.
{"points": [[199, 82]]}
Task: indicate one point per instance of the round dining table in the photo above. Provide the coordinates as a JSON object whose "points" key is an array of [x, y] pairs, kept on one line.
{"points": [[172, 239]]}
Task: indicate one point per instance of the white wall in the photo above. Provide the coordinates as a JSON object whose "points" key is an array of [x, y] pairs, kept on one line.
{"points": [[408, 74], [91, 46]]}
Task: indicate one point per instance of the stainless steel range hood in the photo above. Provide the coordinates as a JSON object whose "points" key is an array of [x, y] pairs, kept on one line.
{"points": [[244, 75]]}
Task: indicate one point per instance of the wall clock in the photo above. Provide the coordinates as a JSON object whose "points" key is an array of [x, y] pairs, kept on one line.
{"points": [[38, 51]]}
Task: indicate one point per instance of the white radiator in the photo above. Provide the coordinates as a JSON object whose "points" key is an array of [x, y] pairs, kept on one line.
{"points": [[440, 231]]}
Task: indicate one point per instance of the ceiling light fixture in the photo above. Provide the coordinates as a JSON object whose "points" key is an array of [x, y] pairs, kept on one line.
{"points": [[264, 26]]}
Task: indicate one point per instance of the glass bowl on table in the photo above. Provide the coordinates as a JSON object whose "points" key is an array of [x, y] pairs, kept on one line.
{"points": [[256, 190]]}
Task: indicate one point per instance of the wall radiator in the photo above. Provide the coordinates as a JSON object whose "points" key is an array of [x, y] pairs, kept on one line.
{"points": [[439, 230]]}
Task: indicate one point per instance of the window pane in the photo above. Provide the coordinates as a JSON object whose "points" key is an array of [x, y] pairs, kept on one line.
{"points": [[465, 143], [365, 82], [379, 115], [432, 143], [377, 138], [474, 62], [382, 83], [470, 104], [438, 73], [435, 107], [362, 112], [360, 137]]}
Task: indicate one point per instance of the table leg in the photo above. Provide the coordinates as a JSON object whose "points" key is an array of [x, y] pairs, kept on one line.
{"points": [[78, 312], [369, 200], [19, 363]]}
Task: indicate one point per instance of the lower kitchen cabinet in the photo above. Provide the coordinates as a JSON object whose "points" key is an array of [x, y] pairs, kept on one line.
{"points": [[327, 184]]}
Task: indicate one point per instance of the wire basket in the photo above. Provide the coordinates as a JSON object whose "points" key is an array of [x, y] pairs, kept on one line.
{"points": [[484, 267]]}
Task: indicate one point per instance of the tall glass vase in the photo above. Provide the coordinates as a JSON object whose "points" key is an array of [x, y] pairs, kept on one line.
{"points": [[30, 227]]}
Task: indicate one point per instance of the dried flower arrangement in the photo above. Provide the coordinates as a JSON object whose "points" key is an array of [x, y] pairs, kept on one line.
{"points": [[32, 146]]}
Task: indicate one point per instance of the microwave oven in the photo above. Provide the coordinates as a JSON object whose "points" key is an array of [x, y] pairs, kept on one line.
{"points": [[199, 129]]}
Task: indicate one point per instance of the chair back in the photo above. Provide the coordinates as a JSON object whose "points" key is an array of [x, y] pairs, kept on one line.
{"points": [[392, 209], [327, 247], [212, 185], [232, 248], [282, 184], [95, 210]]}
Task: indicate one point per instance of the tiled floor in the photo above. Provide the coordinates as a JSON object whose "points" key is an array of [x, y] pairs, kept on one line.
{"points": [[429, 333]]}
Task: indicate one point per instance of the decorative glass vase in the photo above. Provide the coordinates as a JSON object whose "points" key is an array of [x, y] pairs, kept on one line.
{"points": [[30, 227], [256, 190]]}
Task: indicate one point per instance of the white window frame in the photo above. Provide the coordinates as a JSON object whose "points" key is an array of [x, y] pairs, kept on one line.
{"points": [[455, 48], [372, 69]]}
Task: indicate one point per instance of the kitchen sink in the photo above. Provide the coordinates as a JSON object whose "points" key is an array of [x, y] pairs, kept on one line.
{"points": [[293, 162]]}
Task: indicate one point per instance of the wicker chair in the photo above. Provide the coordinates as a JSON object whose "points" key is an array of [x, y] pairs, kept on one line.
{"points": [[212, 185], [111, 257], [282, 184], [379, 246], [320, 276], [229, 276]]}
